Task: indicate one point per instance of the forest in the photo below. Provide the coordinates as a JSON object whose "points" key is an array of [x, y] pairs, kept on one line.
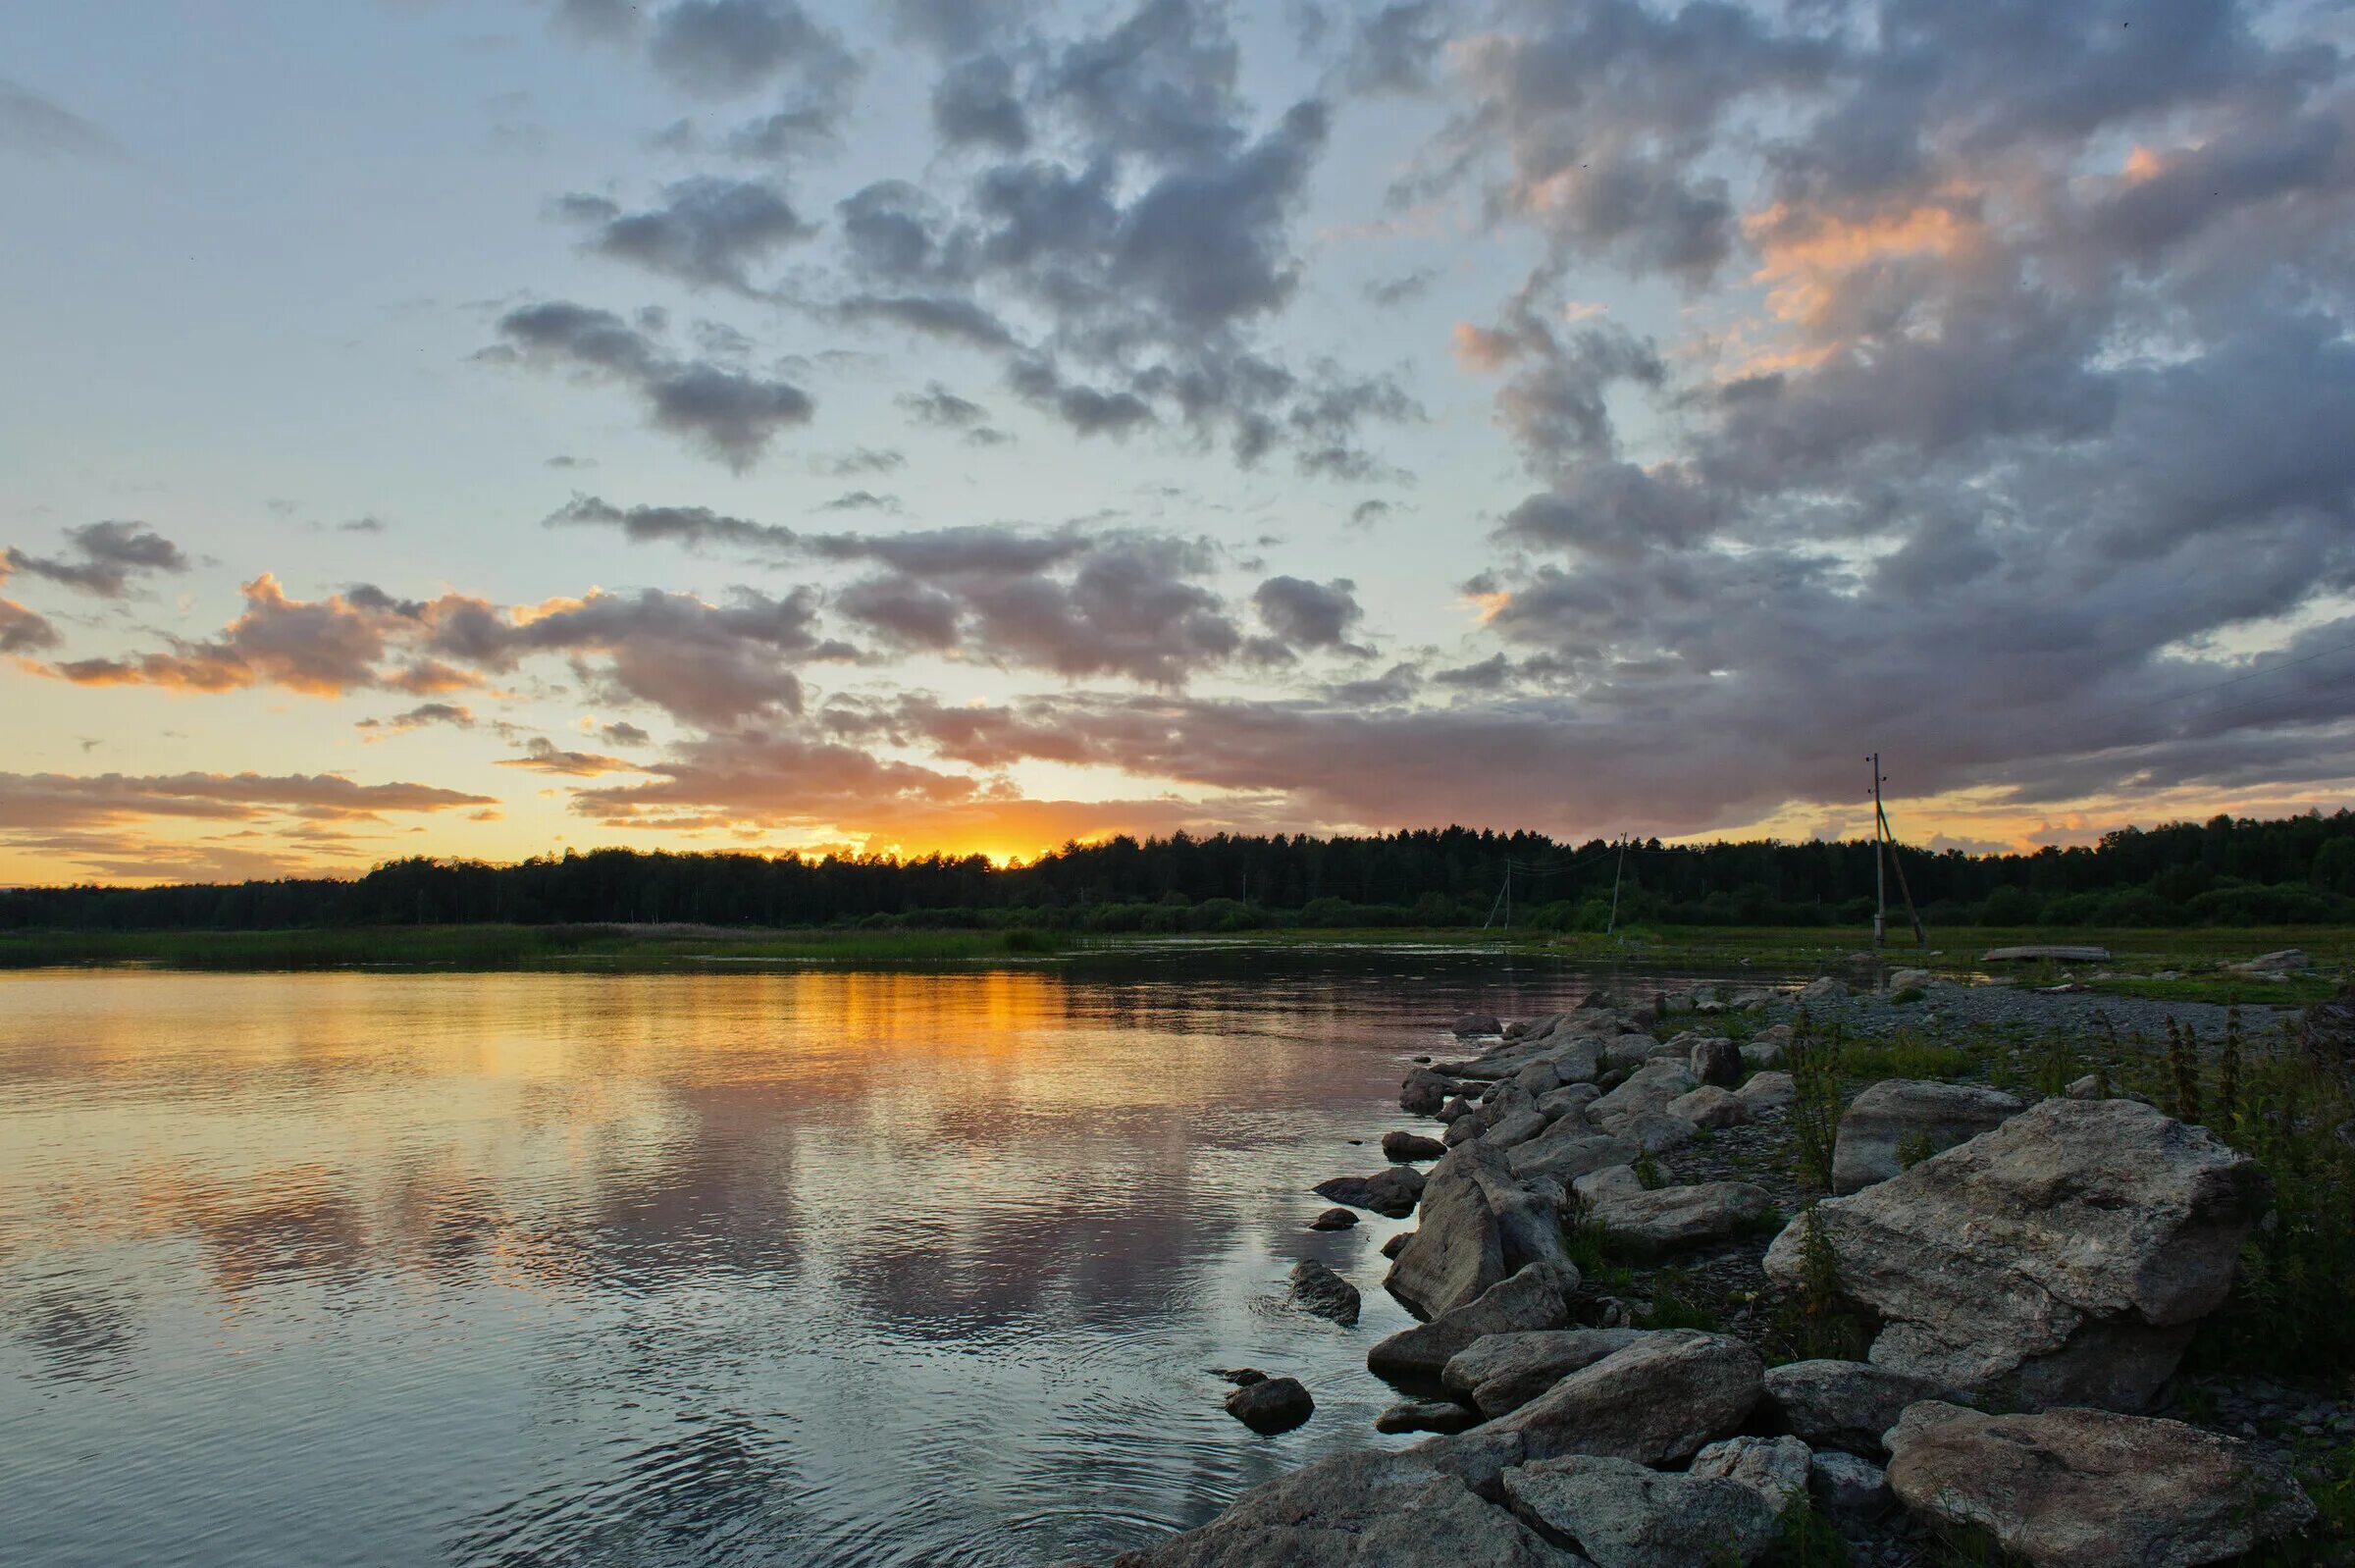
{"points": [[2226, 871]]}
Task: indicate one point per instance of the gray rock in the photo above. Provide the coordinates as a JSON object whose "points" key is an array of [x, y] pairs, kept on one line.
{"points": [[1648, 1088], [1845, 1404], [1425, 1415], [1317, 1289], [1775, 1468], [1503, 1371], [1397, 1243], [1710, 1107], [1456, 1106], [1462, 1130], [1568, 1150], [1717, 1061], [2064, 1258], [1476, 1023], [1899, 1115], [1633, 1050], [1533, 1298], [1621, 1515], [1672, 1218], [1391, 1193], [1270, 1405], [1850, 1490], [1404, 1146], [1830, 988], [1576, 1061], [1653, 1402], [1362, 1510], [2288, 960], [1424, 1091], [1654, 1132], [1334, 1220], [1478, 1226], [1515, 1126], [2088, 1489], [1538, 1076], [1767, 1092], [1570, 1097], [1910, 979]]}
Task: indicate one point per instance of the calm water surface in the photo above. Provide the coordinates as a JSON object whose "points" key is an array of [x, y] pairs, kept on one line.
{"points": [[779, 1267]]}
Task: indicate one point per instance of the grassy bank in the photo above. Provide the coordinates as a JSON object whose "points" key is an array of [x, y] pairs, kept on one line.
{"points": [[1774, 952]]}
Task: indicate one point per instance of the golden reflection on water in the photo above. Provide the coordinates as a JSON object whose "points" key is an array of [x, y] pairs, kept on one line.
{"points": [[354, 1266]]}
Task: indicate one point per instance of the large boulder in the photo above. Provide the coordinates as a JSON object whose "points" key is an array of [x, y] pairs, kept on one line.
{"points": [[1633, 1050], [1850, 1490], [1425, 1415], [1317, 1289], [1710, 1107], [1359, 1510], [1716, 1061], [2088, 1489], [1470, 1024], [1775, 1468], [1477, 1227], [2064, 1258], [1425, 1091], [1767, 1093], [1622, 1515], [1504, 1372], [1518, 1125], [1829, 988], [1537, 1297], [1559, 1102], [1391, 1193], [2327, 1032], [1843, 1404], [1670, 1218], [1898, 1118], [1653, 1402], [1568, 1150]]}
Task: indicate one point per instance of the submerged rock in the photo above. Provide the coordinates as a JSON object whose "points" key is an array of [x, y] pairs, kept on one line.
{"points": [[1317, 1289], [1334, 1220], [1475, 1024], [1901, 1118], [2064, 1258], [1270, 1405], [1425, 1415], [1622, 1515], [1391, 1193], [2088, 1489], [1405, 1146], [1397, 1243]]}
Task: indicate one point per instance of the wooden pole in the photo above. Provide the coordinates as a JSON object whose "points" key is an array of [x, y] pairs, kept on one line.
{"points": [[1613, 926], [1880, 860]]}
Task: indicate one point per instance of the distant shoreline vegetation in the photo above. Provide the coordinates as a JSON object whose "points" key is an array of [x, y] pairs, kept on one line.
{"points": [[2297, 871]]}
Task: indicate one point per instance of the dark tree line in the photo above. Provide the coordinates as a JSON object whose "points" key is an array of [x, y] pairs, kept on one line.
{"points": [[2299, 869]]}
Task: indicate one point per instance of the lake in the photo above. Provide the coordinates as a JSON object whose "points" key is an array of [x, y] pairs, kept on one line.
{"points": [[804, 1268]]}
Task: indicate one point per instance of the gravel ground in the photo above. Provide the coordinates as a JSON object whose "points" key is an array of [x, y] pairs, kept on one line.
{"points": [[1954, 1007]]}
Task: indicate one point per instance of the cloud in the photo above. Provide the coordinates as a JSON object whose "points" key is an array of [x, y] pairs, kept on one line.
{"points": [[23, 631], [624, 733], [937, 406], [50, 801], [36, 128], [454, 714], [544, 756], [728, 48], [105, 557], [707, 232], [1306, 615], [726, 414]]}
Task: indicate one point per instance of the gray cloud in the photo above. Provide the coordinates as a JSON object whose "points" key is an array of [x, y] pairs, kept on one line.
{"points": [[1306, 615], [105, 557], [705, 232], [728, 415], [937, 406], [728, 48], [35, 128]]}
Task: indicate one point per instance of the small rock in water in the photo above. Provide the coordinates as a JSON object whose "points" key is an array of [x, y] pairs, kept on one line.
{"points": [[1241, 1376], [1334, 1220], [1397, 1243], [1475, 1024], [1425, 1415], [1317, 1289], [1404, 1146], [1270, 1405], [1391, 1192]]}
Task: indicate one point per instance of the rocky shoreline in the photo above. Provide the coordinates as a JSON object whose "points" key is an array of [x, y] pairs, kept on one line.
{"points": [[1653, 1333]]}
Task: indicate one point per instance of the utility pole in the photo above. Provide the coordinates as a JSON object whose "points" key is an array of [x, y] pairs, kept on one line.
{"points": [[1920, 938], [1613, 926], [1880, 859]]}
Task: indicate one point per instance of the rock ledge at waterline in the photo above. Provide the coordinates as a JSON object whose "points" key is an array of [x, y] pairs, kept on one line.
{"points": [[2053, 1257]]}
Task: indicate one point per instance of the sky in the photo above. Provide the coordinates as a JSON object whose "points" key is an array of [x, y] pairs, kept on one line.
{"points": [[482, 428]]}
